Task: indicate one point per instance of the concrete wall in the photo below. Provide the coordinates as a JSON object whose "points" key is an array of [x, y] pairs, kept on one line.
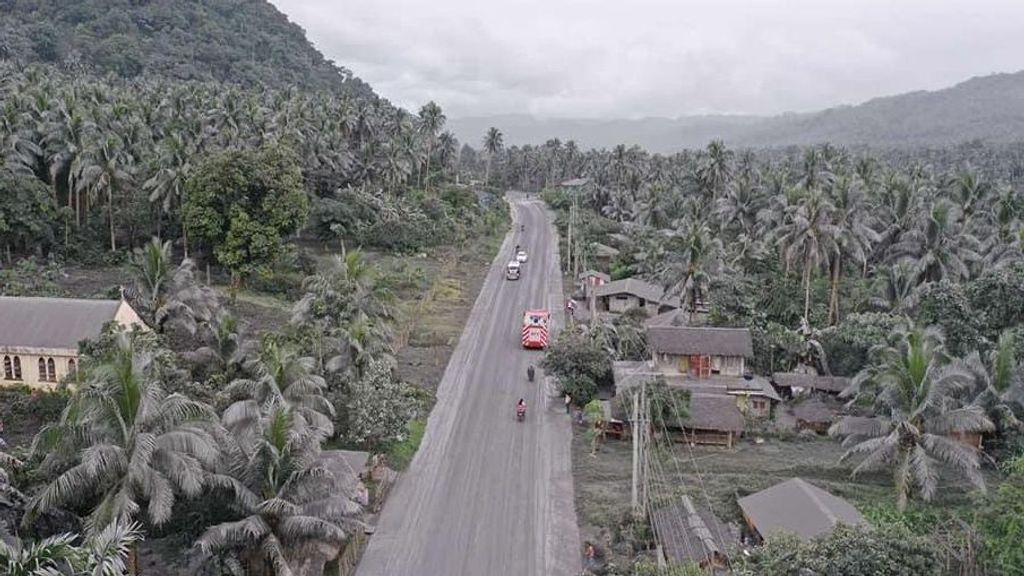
{"points": [[620, 303], [63, 363]]}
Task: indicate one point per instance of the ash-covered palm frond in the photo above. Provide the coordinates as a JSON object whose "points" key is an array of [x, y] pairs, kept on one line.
{"points": [[923, 412], [283, 496], [125, 441]]}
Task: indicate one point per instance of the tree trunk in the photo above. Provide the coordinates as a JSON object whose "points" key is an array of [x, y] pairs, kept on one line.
{"points": [[426, 179], [487, 172], [833, 310], [807, 289], [184, 235], [110, 207]]}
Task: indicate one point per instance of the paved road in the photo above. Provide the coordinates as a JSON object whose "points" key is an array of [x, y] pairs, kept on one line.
{"points": [[486, 495]]}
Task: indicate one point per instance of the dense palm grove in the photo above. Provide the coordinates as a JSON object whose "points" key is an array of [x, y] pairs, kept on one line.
{"points": [[116, 156], [203, 427], [901, 269]]}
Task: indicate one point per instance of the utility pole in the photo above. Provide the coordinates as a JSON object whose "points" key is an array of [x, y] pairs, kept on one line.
{"points": [[568, 244], [640, 447], [576, 260]]}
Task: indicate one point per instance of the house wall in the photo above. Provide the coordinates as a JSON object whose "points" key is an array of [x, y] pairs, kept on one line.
{"points": [[724, 365], [619, 303], [63, 362], [127, 317], [754, 406]]}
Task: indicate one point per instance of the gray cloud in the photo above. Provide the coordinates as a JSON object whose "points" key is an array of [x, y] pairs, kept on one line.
{"points": [[613, 59]]}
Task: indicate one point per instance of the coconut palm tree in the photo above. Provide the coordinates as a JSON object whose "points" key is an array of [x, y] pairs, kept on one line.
{"points": [[151, 268], [283, 497], [808, 237], [895, 288], [694, 253], [125, 441], [492, 145], [278, 373], [105, 173], [996, 382], [916, 413], [940, 246], [853, 236], [431, 122]]}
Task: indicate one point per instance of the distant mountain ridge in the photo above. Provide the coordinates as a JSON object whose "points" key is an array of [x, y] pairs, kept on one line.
{"points": [[247, 42], [989, 108]]}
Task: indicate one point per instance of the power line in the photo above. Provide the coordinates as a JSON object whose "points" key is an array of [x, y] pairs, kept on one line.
{"points": [[696, 469]]}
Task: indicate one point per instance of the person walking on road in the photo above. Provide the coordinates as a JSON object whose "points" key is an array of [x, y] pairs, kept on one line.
{"points": [[568, 403]]}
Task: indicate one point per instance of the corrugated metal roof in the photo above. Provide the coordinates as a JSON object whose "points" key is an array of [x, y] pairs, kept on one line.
{"points": [[52, 322], [797, 507], [636, 287], [685, 340], [688, 534]]}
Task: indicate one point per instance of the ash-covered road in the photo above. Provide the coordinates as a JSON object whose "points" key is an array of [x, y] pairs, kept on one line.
{"points": [[486, 495]]}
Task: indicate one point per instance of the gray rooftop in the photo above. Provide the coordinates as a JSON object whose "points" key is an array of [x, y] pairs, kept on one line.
{"points": [[834, 384], [755, 386], [797, 507], [594, 273], [638, 288], [675, 317], [52, 322], [815, 410], [686, 340], [604, 250]]}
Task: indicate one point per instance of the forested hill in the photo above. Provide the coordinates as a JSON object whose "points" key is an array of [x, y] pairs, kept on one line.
{"points": [[247, 42], [989, 108]]}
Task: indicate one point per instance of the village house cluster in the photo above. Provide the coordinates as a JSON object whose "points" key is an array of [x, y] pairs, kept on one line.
{"points": [[727, 401]]}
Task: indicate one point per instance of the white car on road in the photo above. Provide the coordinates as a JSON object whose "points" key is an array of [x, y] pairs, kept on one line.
{"points": [[521, 256]]}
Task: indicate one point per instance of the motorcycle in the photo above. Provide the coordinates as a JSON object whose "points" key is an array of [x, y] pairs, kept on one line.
{"points": [[529, 373], [520, 413]]}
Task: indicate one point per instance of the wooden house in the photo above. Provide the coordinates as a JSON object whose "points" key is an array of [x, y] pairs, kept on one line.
{"points": [[700, 351]]}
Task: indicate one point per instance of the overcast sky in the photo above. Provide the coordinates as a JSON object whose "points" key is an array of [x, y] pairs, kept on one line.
{"points": [[636, 58]]}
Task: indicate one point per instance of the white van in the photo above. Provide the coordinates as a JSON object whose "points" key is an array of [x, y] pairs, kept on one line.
{"points": [[512, 270]]}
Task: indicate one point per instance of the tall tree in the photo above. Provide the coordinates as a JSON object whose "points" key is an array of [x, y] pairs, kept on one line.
{"points": [[916, 414], [431, 122], [808, 237], [492, 145], [242, 204]]}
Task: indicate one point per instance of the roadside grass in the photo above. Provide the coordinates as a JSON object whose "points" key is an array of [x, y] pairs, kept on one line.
{"points": [[400, 455]]}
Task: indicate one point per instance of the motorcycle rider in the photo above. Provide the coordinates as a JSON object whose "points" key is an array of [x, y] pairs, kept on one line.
{"points": [[529, 373], [521, 406]]}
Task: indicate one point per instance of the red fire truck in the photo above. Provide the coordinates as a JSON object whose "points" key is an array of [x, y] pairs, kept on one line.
{"points": [[535, 328]]}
